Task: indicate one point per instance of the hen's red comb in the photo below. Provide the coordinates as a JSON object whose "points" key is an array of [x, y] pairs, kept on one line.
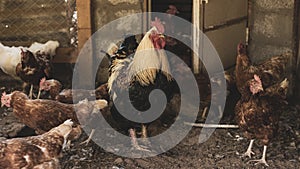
{"points": [[256, 78], [3, 97], [241, 48]]}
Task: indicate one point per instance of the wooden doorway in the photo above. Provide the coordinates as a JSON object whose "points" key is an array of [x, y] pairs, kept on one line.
{"points": [[223, 22], [176, 46]]}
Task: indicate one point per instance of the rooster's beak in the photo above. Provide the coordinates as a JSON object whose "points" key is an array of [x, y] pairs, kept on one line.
{"points": [[261, 88]]}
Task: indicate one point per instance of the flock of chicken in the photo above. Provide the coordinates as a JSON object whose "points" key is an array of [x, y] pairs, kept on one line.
{"points": [[57, 116], [57, 109], [55, 122]]}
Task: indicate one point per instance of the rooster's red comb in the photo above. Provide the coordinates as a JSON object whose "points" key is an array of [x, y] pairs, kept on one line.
{"points": [[158, 24], [42, 81]]}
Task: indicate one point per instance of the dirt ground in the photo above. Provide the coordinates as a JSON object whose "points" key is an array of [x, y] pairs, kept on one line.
{"points": [[222, 150]]}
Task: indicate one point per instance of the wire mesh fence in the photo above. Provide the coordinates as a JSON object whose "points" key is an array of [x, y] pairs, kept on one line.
{"points": [[23, 22]]}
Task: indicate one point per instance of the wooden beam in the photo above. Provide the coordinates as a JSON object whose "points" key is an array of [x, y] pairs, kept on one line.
{"points": [[85, 64], [146, 16], [84, 21], [196, 36]]}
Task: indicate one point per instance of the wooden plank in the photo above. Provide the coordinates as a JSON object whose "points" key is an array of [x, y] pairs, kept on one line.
{"points": [[150, 8], [84, 21], [84, 14], [226, 24], [225, 41], [84, 33], [217, 11], [145, 16], [297, 24], [196, 36]]}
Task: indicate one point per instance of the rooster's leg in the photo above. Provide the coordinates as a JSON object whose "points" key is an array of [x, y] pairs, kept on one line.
{"points": [[31, 92], [263, 158], [39, 94], [86, 142], [249, 151], [134, 141], [145, 136]]}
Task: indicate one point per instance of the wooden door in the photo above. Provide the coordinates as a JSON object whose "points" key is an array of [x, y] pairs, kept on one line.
{"points": [[224, 22]]}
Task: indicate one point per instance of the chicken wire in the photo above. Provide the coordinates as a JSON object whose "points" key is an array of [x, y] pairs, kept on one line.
{"points": [[23, 22]]}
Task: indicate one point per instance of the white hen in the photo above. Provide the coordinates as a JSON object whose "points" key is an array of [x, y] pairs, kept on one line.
{"points": [[11, 56]]}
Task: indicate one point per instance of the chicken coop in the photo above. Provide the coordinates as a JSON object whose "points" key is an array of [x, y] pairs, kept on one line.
{"points": [[268, 28]]}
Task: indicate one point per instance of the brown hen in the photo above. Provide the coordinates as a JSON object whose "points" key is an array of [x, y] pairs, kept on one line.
{"points": [[258, 114], [42, 115], [40, 151]]}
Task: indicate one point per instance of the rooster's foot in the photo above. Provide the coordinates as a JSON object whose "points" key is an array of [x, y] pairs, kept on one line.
{"points": [[134, 142], [141, 148], [146, 142], [260, 161], [144, 137]]}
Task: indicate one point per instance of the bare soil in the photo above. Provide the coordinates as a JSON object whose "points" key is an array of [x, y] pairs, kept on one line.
{"points": [[222, 150]]}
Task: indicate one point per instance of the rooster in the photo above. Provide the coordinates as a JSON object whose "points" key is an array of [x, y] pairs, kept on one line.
{"points": [[271, 71], [147, 70], [40, 151], [258, 114], [54, 87], [42, 115]]}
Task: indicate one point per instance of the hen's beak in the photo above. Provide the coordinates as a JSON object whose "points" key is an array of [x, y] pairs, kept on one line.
{"points": [[101, 103]]}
